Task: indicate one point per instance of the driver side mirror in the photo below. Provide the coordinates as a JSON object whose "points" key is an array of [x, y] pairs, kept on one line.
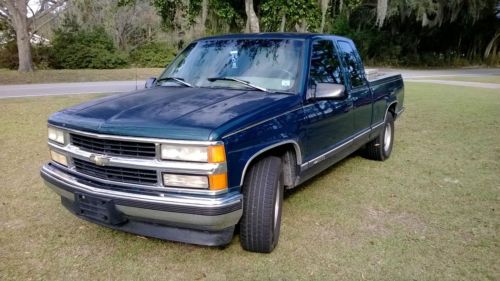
{"points": [[150, 83], [330, 91]]}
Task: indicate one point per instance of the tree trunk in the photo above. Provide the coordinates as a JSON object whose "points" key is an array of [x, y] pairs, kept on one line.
{"points": [[381, 12], [203, 19], [324, 9], [199, 28], [19, 13], [24, 48], [491, 45], [204, 12], [302, 27], [252, 24], [283, 23]]}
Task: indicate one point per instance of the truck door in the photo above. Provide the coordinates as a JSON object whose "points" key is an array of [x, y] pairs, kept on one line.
{"points": [[358, 87], [329, 122]]}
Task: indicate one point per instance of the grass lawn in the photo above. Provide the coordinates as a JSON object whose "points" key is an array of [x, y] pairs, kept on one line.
{"points": [[482, 78], [430, 212], [76, 75]]}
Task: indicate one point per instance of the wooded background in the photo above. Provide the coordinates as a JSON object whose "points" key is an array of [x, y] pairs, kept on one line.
{"points": [[120, 33]]}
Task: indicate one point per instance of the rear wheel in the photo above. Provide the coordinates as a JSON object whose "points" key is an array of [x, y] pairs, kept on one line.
{"points": [[381, 147], [262, 203]]}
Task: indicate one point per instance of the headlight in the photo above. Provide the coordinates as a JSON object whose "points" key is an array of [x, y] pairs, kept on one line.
{"points": [[56, 135], [211, 154], [59, 158]]}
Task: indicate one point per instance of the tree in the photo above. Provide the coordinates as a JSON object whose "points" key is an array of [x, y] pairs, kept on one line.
{"points": [[130, 23], [73, 48], [195, 18], [292, 15], [324, 8], [15, 12], [252, 24]]}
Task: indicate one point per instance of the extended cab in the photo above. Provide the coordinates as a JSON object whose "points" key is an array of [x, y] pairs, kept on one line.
{"points": [[212, 143]]}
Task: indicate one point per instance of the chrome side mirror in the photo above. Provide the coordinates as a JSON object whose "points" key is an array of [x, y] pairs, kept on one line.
{"points": [[150, 83], [330, 91]]}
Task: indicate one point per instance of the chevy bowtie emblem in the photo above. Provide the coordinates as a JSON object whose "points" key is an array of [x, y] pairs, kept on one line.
{"points": [[100, 160]]}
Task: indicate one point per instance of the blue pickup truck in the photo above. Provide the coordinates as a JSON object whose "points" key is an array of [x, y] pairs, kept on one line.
{"points": [[215, 140]]}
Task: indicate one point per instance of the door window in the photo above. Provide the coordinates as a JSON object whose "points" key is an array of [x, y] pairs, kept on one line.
{"points": [[325, 67], [353, 65]]}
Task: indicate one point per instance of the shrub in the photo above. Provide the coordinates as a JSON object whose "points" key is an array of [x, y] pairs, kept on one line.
{"points": [[41, 56], [152, 55], [73, 48], [9, 57]]}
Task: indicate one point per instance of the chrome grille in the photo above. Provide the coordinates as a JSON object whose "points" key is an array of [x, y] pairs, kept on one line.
{"points": [[118, 174], [114, 147]]}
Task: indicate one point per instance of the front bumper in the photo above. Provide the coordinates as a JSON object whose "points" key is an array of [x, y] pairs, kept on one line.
{"points": [[192, 219]]}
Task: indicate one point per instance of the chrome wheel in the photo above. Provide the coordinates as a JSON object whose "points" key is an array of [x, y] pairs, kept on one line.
{"points": [[387, 137]]}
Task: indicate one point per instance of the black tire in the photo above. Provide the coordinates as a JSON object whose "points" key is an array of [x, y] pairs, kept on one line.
{"points": [[381, 147], [262, 194]]}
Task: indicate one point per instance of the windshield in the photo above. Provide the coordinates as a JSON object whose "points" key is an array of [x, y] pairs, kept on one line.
{"points": [[272, 64]]}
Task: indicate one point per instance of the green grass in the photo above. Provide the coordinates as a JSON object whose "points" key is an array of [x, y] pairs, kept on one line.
{"points": [[76, 75], [430, 212], [483, 78]]}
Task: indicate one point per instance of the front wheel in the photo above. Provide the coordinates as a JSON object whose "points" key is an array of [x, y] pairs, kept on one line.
{"points": [[381, 147], [262, 203]]}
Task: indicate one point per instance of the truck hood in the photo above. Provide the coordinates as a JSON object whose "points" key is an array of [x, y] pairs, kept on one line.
{"points": [[169, 112]]}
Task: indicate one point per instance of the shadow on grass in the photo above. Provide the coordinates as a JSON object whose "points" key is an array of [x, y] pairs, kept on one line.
{"points": [[307, 184], [312, 181]]}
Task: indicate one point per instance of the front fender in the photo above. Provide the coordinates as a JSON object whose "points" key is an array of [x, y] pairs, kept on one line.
{"points": [[246, 144]]}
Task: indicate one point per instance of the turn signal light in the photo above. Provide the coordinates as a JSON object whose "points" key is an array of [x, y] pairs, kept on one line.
{"points": [[218, 181], [216, 154]]}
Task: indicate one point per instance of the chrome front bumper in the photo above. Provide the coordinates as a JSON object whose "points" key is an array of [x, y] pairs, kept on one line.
{"points": [[185, 218]]}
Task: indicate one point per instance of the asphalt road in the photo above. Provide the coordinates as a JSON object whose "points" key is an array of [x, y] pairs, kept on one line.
{"points": [[458, 83], [54, 89], [414, 74]]}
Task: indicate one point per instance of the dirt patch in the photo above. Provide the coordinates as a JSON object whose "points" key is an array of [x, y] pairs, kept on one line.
{"points": [[15, 224], [384, 223]]}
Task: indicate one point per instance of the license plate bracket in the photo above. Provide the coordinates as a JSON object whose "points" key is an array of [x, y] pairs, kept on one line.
{"points": [[98, 209]]}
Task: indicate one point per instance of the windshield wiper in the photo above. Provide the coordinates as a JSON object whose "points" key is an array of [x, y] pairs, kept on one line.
{"points": [[246, 83], [176, 79]]}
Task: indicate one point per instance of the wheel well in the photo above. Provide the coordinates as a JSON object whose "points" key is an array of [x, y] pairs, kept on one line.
{"points": [[288, 154], [392, 109]]}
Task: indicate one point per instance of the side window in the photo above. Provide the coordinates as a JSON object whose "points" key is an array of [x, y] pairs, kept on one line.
{"points": [[325, 67], [352, 63]]}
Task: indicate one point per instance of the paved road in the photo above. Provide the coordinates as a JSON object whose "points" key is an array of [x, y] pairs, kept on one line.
{"points": [[55, 89], [33, 90], [432, 76], [411, 74], [458, 83]]}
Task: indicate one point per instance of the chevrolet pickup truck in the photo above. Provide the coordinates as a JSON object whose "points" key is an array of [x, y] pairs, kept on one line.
{"points": [[217, 138]]}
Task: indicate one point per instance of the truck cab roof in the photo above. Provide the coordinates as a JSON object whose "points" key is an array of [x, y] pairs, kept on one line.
{"points": [[272, 35]]}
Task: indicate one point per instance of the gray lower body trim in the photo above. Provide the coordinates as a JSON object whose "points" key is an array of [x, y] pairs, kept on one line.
{"points": [[373, 129], [337, 148]]}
